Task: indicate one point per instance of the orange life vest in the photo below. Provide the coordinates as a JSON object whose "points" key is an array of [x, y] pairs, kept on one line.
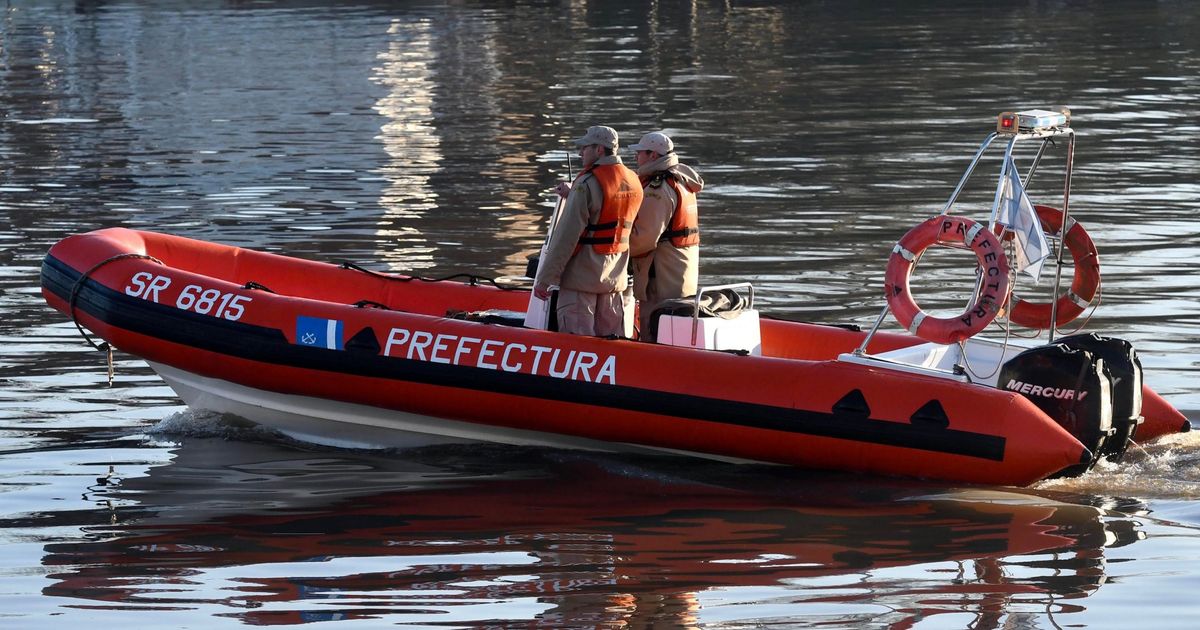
{"points": [[622, 196], [684, 229]]}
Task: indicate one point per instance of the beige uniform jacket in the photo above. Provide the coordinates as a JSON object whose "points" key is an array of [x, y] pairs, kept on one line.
{"points": [[586, 270], [676, 270]]}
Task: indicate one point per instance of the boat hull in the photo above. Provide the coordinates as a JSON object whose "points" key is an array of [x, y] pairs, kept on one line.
{"points": [[349, 425]]}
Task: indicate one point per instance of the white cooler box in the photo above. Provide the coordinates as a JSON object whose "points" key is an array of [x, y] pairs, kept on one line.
{"points": [[714, 333]]}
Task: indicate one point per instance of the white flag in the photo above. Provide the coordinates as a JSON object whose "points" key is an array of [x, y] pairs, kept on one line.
{"points": [[1017, 213]]}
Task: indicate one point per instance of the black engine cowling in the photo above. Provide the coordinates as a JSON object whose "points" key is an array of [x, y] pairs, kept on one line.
{"points": [[1125, 372], [1072, 386]]}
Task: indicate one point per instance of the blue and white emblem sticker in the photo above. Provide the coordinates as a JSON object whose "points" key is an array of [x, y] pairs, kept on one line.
{"points": [[319, 332]]}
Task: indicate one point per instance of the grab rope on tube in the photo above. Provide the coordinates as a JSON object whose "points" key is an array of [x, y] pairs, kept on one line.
{"points": [[472, 279], [103, 346]]}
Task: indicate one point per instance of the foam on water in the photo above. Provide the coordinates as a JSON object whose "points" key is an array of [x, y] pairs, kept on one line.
{"points": [[1168, 468], [200, 423]]}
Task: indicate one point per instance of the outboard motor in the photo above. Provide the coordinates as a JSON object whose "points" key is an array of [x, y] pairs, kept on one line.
{"points": [[1125, 371], [1072, 386]]}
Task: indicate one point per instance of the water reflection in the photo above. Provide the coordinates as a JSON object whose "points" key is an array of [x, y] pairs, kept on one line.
{"points": [[425, 138], [409, 139], [549, 539]]}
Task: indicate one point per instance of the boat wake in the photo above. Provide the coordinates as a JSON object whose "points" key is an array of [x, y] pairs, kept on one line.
{"points": [[1168, 468], [201, 423]]}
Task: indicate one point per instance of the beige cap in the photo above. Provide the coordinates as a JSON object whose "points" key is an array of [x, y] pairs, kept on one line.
{"points": [[603, 136], [655, 141]]}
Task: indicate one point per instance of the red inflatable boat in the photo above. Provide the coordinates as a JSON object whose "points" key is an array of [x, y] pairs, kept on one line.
{"points": [[342, 355]]}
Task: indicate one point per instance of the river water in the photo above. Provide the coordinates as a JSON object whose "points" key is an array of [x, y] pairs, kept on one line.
{"points": [[425, 137]]}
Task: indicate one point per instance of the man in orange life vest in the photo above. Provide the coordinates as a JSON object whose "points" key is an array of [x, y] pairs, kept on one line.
{"points": [[665, 243], [588, 253]]}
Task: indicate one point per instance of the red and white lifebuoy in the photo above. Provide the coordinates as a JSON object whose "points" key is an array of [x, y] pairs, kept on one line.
{"points": [[992, 291], [1084, 285]]}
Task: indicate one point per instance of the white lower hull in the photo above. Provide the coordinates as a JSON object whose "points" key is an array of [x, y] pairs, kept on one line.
{"points": [[350, 425]]}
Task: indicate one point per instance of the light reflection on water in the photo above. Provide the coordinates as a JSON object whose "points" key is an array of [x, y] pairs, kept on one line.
{"points": [[410, 138]]}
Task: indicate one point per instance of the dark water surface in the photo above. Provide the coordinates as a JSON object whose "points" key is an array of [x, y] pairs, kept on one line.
{"points": [[425, 137]]}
